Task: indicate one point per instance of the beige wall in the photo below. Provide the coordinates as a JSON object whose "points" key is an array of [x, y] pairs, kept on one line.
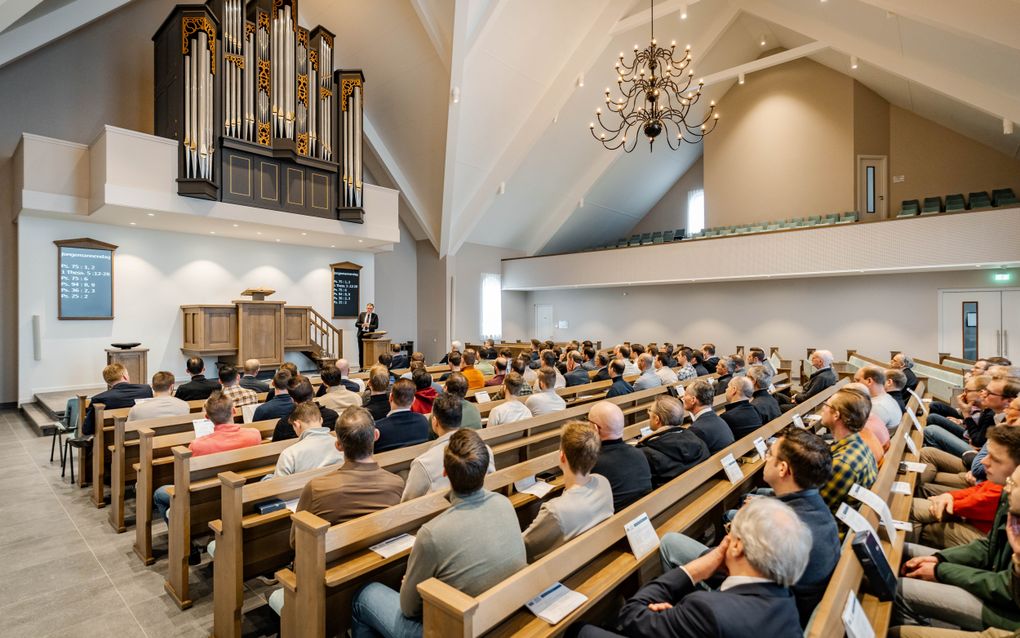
{"points": [[468, 265], [433, 302], [783, 148], [871, 135], [396, 293], [670, 212], [936, 161]]}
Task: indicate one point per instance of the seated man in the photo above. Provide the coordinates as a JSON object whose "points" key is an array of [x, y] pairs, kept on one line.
{"points": [[822, 378], [471, 417], [994, 400], [961, 516], [488, 350], [724, 368], [299, 389], [670, 449], [401, 427], [624, 353], [587, 498], [231, 388], [199, 388], [377, 399], [620, 386], [545, 400], [426, 472], [798, 463], [337, 396], [345, 372], [120, 393], [740, 415], [602, 361], [945, 430], [474, 376], [589, 359], [549, 360], [513, 409], [625, 466], [648, 378], [521, 365], [161, 403], [845, 414], [709, 426], [709, 360], [882, 405], [484, 362], [874, 432], [765, 553], [500, 366], [756, 357], [250, 378], [576, 375], [762, 399], [281, 405], [315, 446], [416, 359], [662, 370], [685, 361], [440, 550], [967, 586], [905, 365], [424, 393], [400, 360], [456, 360], [455, 346], [895, 386]]}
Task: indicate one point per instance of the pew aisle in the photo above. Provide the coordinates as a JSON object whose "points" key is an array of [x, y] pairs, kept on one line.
{"points": [[68, 574]]}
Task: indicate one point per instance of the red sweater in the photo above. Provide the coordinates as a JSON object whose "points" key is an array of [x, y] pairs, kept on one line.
{"points": [[423, 400], [977, 504], [227, 436]]}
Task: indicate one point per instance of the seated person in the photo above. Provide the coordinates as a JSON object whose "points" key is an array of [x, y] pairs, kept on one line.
{"points": [[484, 363], [513, 408], [993, 400], [230, 380], [845, 414], [120, 393], [647, 379], [764, 554], [488, 350], [904, 365], [401, 427], [740, 415], [961, 516], [576, 375], [602, 367], [455, 346], [377, 399], [895, 386], [709, 360], [587, 498], [199, 388], [625, 466], [337, 396], [882, 405], [456, 361], [500, 366], [292, 369], [662, 370], [315, 446], [424, 393], [549, 360], [684, 360], [874, 432], [520, 365], [161, 403], [457, 385], [345, 372], [822, 378], [624, 353], [697, 360], [250, 379], [426, 472], [620, 387], [589, 358], [798, 463], [281, 404], [944, 427], [670, 449], [474, 376], [299, 389], [416, 358], [709, 426], [545, 400], [967, 586], [440, 550], [400, 360], [762, 399], [756, 357]]}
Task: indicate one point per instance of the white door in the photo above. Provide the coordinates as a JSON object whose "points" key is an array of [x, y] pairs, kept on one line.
{"points": [[543, 321], [871, 187], [971, 324], [1011, 325]]}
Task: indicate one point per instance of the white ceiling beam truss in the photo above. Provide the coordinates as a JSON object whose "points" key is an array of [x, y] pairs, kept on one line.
{"points": [[52, 26], [13, 10], [993, 20], [437, 36], [642, 17], [761, 64]]}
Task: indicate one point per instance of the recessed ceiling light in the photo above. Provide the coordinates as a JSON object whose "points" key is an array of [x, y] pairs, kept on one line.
{"points": [[303, 234], [212, 232], [235, 225], [332, 245], [151, 214], [361, 241], [277, 239], [258, 232], [132, 223]]}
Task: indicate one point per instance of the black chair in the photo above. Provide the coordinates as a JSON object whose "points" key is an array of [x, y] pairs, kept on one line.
{"points": [[979, 199], [955, 203], [909, 207], [932, 205], [1003, 197]]}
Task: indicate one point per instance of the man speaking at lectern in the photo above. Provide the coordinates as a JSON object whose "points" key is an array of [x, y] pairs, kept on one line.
{"points": [[368, 321]]}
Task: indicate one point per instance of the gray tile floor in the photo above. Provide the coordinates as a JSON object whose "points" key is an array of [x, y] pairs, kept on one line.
{"points": [[60, 551]]}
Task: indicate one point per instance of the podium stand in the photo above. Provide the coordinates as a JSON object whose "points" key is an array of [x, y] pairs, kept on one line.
{"points": [[134, 360], [374, 345]]}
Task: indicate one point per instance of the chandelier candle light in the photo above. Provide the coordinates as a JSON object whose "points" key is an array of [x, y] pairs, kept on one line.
{"points": [[656, 98]]}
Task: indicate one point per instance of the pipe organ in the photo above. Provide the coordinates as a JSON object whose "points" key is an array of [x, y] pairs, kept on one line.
{"points": [[260, 114]]}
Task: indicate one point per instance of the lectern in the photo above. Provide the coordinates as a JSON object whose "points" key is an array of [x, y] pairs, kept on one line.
{"points": [[375, 345]]}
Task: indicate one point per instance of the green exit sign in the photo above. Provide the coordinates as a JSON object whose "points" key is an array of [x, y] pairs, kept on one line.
{"points": [[1002, 277]]}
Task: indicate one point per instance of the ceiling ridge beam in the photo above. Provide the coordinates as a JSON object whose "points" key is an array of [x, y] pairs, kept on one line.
{"points": [[486, 21], [13, 10], [998, 25], [434, 32], [459, 51], [642, 17], [52, 26], [761, 64]]}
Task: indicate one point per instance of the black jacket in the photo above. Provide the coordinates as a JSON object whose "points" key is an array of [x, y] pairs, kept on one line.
{"points": [[715, 432], [378, 405], [122, 395], [711, 363], [701, 369], [578, 376], [721, 383], [627, 471], [284, 430], [274, 408], [671, 451], [977, 429], [766, 405], [198, 389], [252, 383], [742, 418], [911, 379], [819, 381], [601, 375], [900, 399], [400, 430], [619, 387], [825, 548], [372, 326]]}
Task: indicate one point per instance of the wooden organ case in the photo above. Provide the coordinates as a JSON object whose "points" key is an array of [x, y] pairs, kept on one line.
{"points": [[261, 117]]}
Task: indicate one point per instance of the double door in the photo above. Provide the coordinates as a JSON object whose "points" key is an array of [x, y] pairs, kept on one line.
{"points": [[975, 324]]}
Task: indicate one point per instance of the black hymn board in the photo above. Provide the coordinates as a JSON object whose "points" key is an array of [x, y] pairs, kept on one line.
{"points": [[262, 117], [346, 289], [85, 279]]}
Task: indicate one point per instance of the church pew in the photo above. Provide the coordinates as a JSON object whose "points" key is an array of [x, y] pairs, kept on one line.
{"points": [[941, 382], [329, 561], [849, 574]]}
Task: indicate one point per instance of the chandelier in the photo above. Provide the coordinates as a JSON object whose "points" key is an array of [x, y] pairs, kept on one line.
{"points": [[656, 98]]}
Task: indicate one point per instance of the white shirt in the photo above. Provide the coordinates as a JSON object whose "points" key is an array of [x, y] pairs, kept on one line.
{"points": [[707, 408], [156, 407], [629, 368], [666, 375], [887, 410], [561, 381], [545, 402], [315, 448], [426, 472], [508, 412]]}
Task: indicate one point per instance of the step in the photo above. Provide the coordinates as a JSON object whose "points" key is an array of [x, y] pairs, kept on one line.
{"points": [[38, 418]]}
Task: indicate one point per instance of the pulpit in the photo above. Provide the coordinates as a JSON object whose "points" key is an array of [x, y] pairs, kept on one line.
{"points": [[134, 360], [375, 345]]}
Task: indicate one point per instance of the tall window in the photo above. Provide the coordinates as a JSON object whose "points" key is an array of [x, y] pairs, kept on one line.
{"points": [[492, 306], [695, 211]]}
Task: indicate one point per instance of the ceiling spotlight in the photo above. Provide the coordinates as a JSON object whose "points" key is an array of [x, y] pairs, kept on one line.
{"points": [[683, 11], [151, 214], [277, 239], [361, 241], [303, 234], [212, 232], [763, 40], [502, 188], [740, 78], [455, 94], [580, 80], [853, 62], [131, 223], [332, 245], [235, 225], [1007, 126]]}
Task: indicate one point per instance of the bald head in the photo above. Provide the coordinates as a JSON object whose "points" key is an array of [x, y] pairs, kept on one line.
{"points": [[608, 419], [251, 367], [343, 366]]}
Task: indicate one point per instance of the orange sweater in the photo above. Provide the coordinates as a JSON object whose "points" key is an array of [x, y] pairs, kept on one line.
{"points": [[977, 505]]}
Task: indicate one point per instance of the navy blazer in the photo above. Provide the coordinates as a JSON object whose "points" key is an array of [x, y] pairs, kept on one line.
{"points": [[601, 375], [711, 363], [825, 548], [401, 429], [766, 405], [198, 389], [252, 383], [742, 418], [713, 431], [122, 395], [819, 381], [619, 387], [753, 609], [911, 379], [275, 408], [627, 470], [284, 430], [578, 376]]}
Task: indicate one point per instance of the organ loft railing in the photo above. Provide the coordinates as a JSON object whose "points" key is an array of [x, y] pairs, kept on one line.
{"points": [[262, 117]]}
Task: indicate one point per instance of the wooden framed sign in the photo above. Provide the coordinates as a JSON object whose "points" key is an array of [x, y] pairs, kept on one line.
{"points": [[84, 279], [346, 289]]}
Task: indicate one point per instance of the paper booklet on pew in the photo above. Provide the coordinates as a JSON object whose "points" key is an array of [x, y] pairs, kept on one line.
{"points": [[482, 397], [854, 520], [732, 469], [917, 424], [855, 622], [799, 422], [555, 603], [875, 502], [642, 536], [203, 427], [393, 546], [533, 486], [761, 447], [248, 412], [292, 504], [910, 444]]}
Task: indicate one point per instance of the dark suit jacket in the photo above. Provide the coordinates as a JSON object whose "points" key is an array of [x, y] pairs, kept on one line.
{"points": [[275, 408], [721, 383], [284, 430], [711, 363], [252, 383], [766, 405], [977, 429], [627, 471], [399, 362], [911, 379], [671, 451], [742, 418], [400, 430], [825, 548], [619, 387], [122, 395], [378, 405], [579, 376], [198, 389], [601, 375], [701, 370], [372, 326], [713, 431], [818, 382], [754, 609]]}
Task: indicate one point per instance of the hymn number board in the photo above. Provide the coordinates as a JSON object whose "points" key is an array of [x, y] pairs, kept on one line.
{"points": [[85, 279], [346, 289]]}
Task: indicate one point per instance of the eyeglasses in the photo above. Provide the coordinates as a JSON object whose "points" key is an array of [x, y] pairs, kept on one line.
{"points": [[992, 394]]}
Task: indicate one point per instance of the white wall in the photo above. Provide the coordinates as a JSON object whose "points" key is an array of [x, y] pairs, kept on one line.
{"points": [[670, 212], [468, 265], [396, 295], [154, 274], [873, 314]]}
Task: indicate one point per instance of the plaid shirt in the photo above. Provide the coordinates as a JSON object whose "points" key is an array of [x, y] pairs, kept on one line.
{"points": [[685, 373], [852, 462], [240, 396]]}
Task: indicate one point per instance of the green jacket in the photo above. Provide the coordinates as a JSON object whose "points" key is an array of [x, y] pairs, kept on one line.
{"points": [[984, 568]]}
